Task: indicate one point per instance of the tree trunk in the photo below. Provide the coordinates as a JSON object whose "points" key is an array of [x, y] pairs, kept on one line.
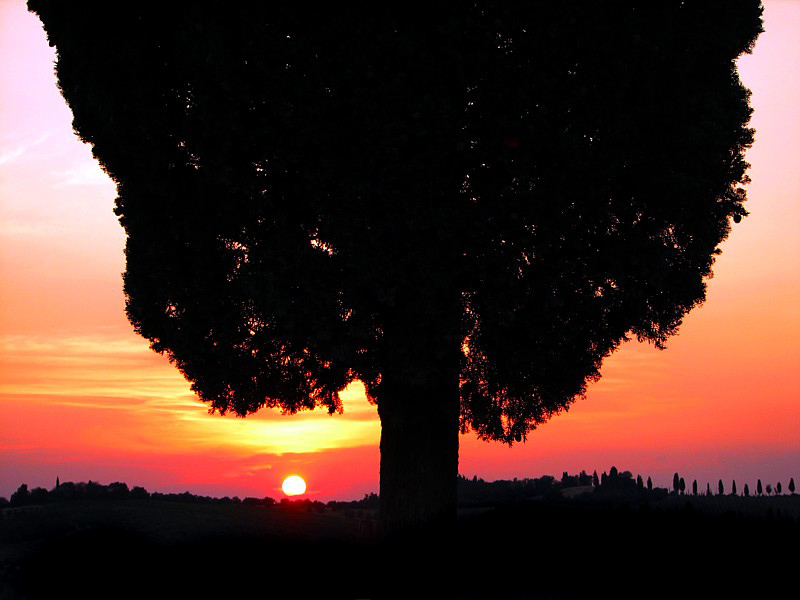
{"points": [[419, 451], [418, 404]]}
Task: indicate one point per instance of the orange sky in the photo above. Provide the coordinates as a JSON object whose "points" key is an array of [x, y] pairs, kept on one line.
{"points": [[82, 397]]}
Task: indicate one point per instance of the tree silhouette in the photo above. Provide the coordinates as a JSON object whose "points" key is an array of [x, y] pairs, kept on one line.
{"points": [[649, 483], [584, 478], [746, 490], [721, 488], [791, 485], [466, 211], [708, 489], [21, 496], [694, 488], [778, 488], [759, 489]]}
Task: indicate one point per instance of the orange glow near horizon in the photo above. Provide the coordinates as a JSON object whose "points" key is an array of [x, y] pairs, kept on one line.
{"points": [[83, 397]]}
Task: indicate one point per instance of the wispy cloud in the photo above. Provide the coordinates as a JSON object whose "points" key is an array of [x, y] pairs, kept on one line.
{"points": [[8, 156], [73, 368], [300, 433], [87, 174], [104, 375], [71, 345]]}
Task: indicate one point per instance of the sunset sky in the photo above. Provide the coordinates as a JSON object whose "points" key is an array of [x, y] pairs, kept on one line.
{"points": [[82, 397]]}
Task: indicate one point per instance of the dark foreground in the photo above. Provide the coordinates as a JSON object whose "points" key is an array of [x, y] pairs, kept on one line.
{"points": [[567, 549]]}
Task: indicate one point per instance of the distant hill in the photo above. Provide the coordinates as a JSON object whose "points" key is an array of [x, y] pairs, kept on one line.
{"points": [[537, 538], [612, 489], [546, 547]]}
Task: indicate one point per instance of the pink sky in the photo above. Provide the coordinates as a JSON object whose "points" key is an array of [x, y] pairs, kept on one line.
{"points": [[82, 397]]}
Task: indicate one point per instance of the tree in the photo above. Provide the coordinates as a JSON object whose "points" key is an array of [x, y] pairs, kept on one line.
{"points": [[759, 489], [568, 480], [595, 480], [466, 212], [139, 493], [708, 489], [639, 482], [676, 484], [649, 483], [613, 478], [682, 486], [721, 488], [584, 478], [778, 488], [694, 488], [746, 490], [21, 496], [769, 489], [39, 495], [791, 485], [733, 488]]}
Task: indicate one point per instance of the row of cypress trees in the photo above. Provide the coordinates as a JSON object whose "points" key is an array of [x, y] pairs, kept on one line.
{"points": [[679, 487]]}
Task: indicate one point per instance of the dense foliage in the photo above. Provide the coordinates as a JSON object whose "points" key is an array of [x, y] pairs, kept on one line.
{"points": [[532, 182]]}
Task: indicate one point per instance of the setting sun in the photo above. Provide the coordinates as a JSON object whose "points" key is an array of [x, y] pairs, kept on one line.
{"points": [[293, 486]]}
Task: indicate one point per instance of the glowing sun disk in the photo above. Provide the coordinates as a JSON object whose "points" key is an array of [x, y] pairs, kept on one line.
{"points": [[293, 486]]}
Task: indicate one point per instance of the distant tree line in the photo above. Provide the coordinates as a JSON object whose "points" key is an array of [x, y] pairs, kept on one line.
{"points": [[91, 490], [679, 488], [471, 491], [477, 491]]}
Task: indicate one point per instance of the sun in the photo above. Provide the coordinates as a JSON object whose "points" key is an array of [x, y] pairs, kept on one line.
{"points": [[293, 485]]}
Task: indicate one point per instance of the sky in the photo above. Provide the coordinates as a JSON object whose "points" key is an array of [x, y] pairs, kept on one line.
{"points": [[84, 398]]}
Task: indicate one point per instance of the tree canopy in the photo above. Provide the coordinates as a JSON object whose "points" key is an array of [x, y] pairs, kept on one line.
{"points": [[545, 179]]}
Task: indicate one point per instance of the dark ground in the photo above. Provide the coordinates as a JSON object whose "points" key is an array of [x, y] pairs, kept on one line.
{"points": [[687, 547]]}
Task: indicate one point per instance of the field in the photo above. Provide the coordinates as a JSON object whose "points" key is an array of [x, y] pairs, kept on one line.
{"points": [[576, 548]]}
